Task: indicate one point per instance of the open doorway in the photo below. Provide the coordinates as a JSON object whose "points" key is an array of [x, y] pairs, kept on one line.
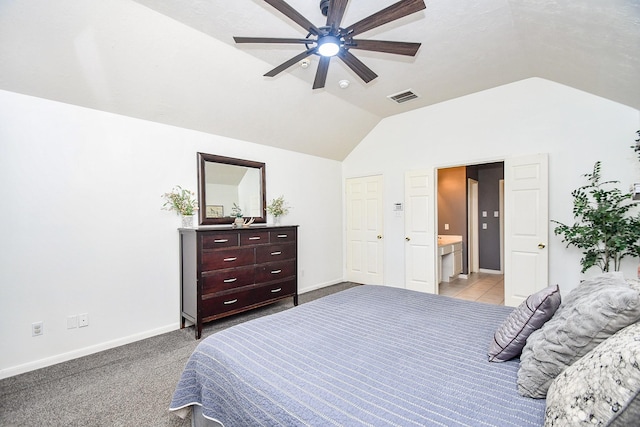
{"points": [[470, 207]]}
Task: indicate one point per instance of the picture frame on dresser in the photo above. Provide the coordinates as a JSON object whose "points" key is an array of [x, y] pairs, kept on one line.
{"points": [[226, 271]]}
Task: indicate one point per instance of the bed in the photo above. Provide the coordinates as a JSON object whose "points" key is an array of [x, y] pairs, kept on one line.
{"points": [[366, 356]]}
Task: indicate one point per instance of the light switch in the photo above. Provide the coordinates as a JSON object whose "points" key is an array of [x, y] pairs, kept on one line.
{"points": [[446, 226], [484, 214], [484, 225]]}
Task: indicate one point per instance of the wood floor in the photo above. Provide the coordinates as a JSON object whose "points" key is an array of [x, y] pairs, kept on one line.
{"points": [[483, 287]]}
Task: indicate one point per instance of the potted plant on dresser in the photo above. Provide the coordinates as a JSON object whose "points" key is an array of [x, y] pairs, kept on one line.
{"points": [[183, 202]]}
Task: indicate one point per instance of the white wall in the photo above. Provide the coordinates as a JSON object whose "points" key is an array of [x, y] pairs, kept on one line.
{"points": [[526, 117], [82, 229]]}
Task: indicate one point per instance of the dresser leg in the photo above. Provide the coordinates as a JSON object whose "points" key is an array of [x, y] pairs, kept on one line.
{"points": [[295, 299], [198, 328]]}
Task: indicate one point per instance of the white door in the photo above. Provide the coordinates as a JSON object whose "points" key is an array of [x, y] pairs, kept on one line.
{"points": [[526, 227], [364, 230], [420, 254]]}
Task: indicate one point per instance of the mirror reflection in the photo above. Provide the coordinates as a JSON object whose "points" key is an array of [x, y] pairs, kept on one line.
{"points": [[229, 188]]}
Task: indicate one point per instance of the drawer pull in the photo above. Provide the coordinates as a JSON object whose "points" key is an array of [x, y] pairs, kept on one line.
{"points": [[282, 236], [273, 291], [230, 259], [230, 280], [233, 301], [276, 253], [254, 238], [276, 271], [221, 241]]}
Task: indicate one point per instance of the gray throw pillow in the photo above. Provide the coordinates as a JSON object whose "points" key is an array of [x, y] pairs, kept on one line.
{"points": [[592, 312], [602, 387], [512, 335]]}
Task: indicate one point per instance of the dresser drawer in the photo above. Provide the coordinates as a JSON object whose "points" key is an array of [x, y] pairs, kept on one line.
{"points": [[275, 271], [227, 258], [218, 305], [283, 236], [277, 290], [219, 240], [223, 280], [275, 253], [255, 238]]}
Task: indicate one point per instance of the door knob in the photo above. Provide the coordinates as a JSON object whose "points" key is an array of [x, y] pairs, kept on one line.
{"points": [[379, 236], [541, 246], [407, 238]]}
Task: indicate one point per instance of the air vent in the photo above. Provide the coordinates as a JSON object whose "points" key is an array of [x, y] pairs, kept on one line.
{"points": [[404, 96]]}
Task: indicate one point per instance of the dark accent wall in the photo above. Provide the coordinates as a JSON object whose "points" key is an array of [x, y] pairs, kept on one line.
{"points": [[489, 177]]}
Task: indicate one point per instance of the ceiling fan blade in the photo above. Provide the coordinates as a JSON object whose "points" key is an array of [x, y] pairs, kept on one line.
{"points": [[364, 72], [321, 73], [391, 13], [290, 62], [336, 12], [270, 40], [294, 15], [398, 48]]}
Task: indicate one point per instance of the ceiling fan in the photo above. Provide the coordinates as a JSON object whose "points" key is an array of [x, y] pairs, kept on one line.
{"points": [[334, 40]]}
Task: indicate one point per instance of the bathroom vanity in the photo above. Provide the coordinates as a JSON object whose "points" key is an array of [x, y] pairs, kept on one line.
{"points": [[450, 257]]}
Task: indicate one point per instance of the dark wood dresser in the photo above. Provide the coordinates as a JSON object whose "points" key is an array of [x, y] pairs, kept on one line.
{"points": [[225, 271]]}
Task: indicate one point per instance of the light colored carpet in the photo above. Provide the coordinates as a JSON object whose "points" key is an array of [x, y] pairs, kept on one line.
{"points": [[130, 385]]}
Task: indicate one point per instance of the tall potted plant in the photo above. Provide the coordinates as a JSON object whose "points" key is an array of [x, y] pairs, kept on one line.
{"points": [[605, 230]]}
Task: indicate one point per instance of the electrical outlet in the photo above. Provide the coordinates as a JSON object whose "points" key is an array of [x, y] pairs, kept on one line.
{"points": [[484, 225], [72, 321], [37, 328], [446, 226], [83, 320]]}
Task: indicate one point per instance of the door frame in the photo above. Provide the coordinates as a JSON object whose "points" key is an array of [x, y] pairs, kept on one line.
{"points": [[473, 260], [435, 179]]}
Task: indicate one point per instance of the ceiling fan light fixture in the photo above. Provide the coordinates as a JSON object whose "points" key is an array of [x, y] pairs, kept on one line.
{"points": [[328, 45]]}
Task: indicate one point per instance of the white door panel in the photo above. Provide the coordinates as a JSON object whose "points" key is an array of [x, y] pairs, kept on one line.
{"points": [[419, 232], [365, 256], [526, 227]]}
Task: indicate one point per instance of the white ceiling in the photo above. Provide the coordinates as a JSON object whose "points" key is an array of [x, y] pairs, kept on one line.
{"points": [[175, 61]]}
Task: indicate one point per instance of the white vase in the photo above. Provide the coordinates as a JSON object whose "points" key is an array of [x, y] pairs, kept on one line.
{"points": [[188, 221], [239, 221], [277, 220]]}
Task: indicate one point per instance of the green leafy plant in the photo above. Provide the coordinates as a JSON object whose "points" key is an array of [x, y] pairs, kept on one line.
{"points": [[236, 211], [180, 200], [604, 230], [636, 146], [278, 207]]}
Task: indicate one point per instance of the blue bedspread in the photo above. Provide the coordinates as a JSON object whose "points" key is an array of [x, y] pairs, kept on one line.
{"points": [[367, 356]]}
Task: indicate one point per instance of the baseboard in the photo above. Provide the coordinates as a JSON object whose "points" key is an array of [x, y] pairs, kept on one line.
{"points": [[320, 286], [485, 270], [64, 357]]}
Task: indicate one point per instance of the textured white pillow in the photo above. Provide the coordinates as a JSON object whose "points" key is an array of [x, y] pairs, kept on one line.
{"points": [[600, 387], [592, 312], [512, 335]]}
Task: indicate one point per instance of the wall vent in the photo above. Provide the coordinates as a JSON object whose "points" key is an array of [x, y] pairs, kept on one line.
{"points": [[404, 96]]}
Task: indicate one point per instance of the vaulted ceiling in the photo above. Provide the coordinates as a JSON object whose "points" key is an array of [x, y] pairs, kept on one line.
{"points": [[175, 62]]}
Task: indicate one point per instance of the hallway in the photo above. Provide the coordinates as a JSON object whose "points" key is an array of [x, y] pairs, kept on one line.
{"points": [[481, 287]]}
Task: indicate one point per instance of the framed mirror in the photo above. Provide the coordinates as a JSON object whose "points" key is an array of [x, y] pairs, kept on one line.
{"points": [[225, 183]]}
